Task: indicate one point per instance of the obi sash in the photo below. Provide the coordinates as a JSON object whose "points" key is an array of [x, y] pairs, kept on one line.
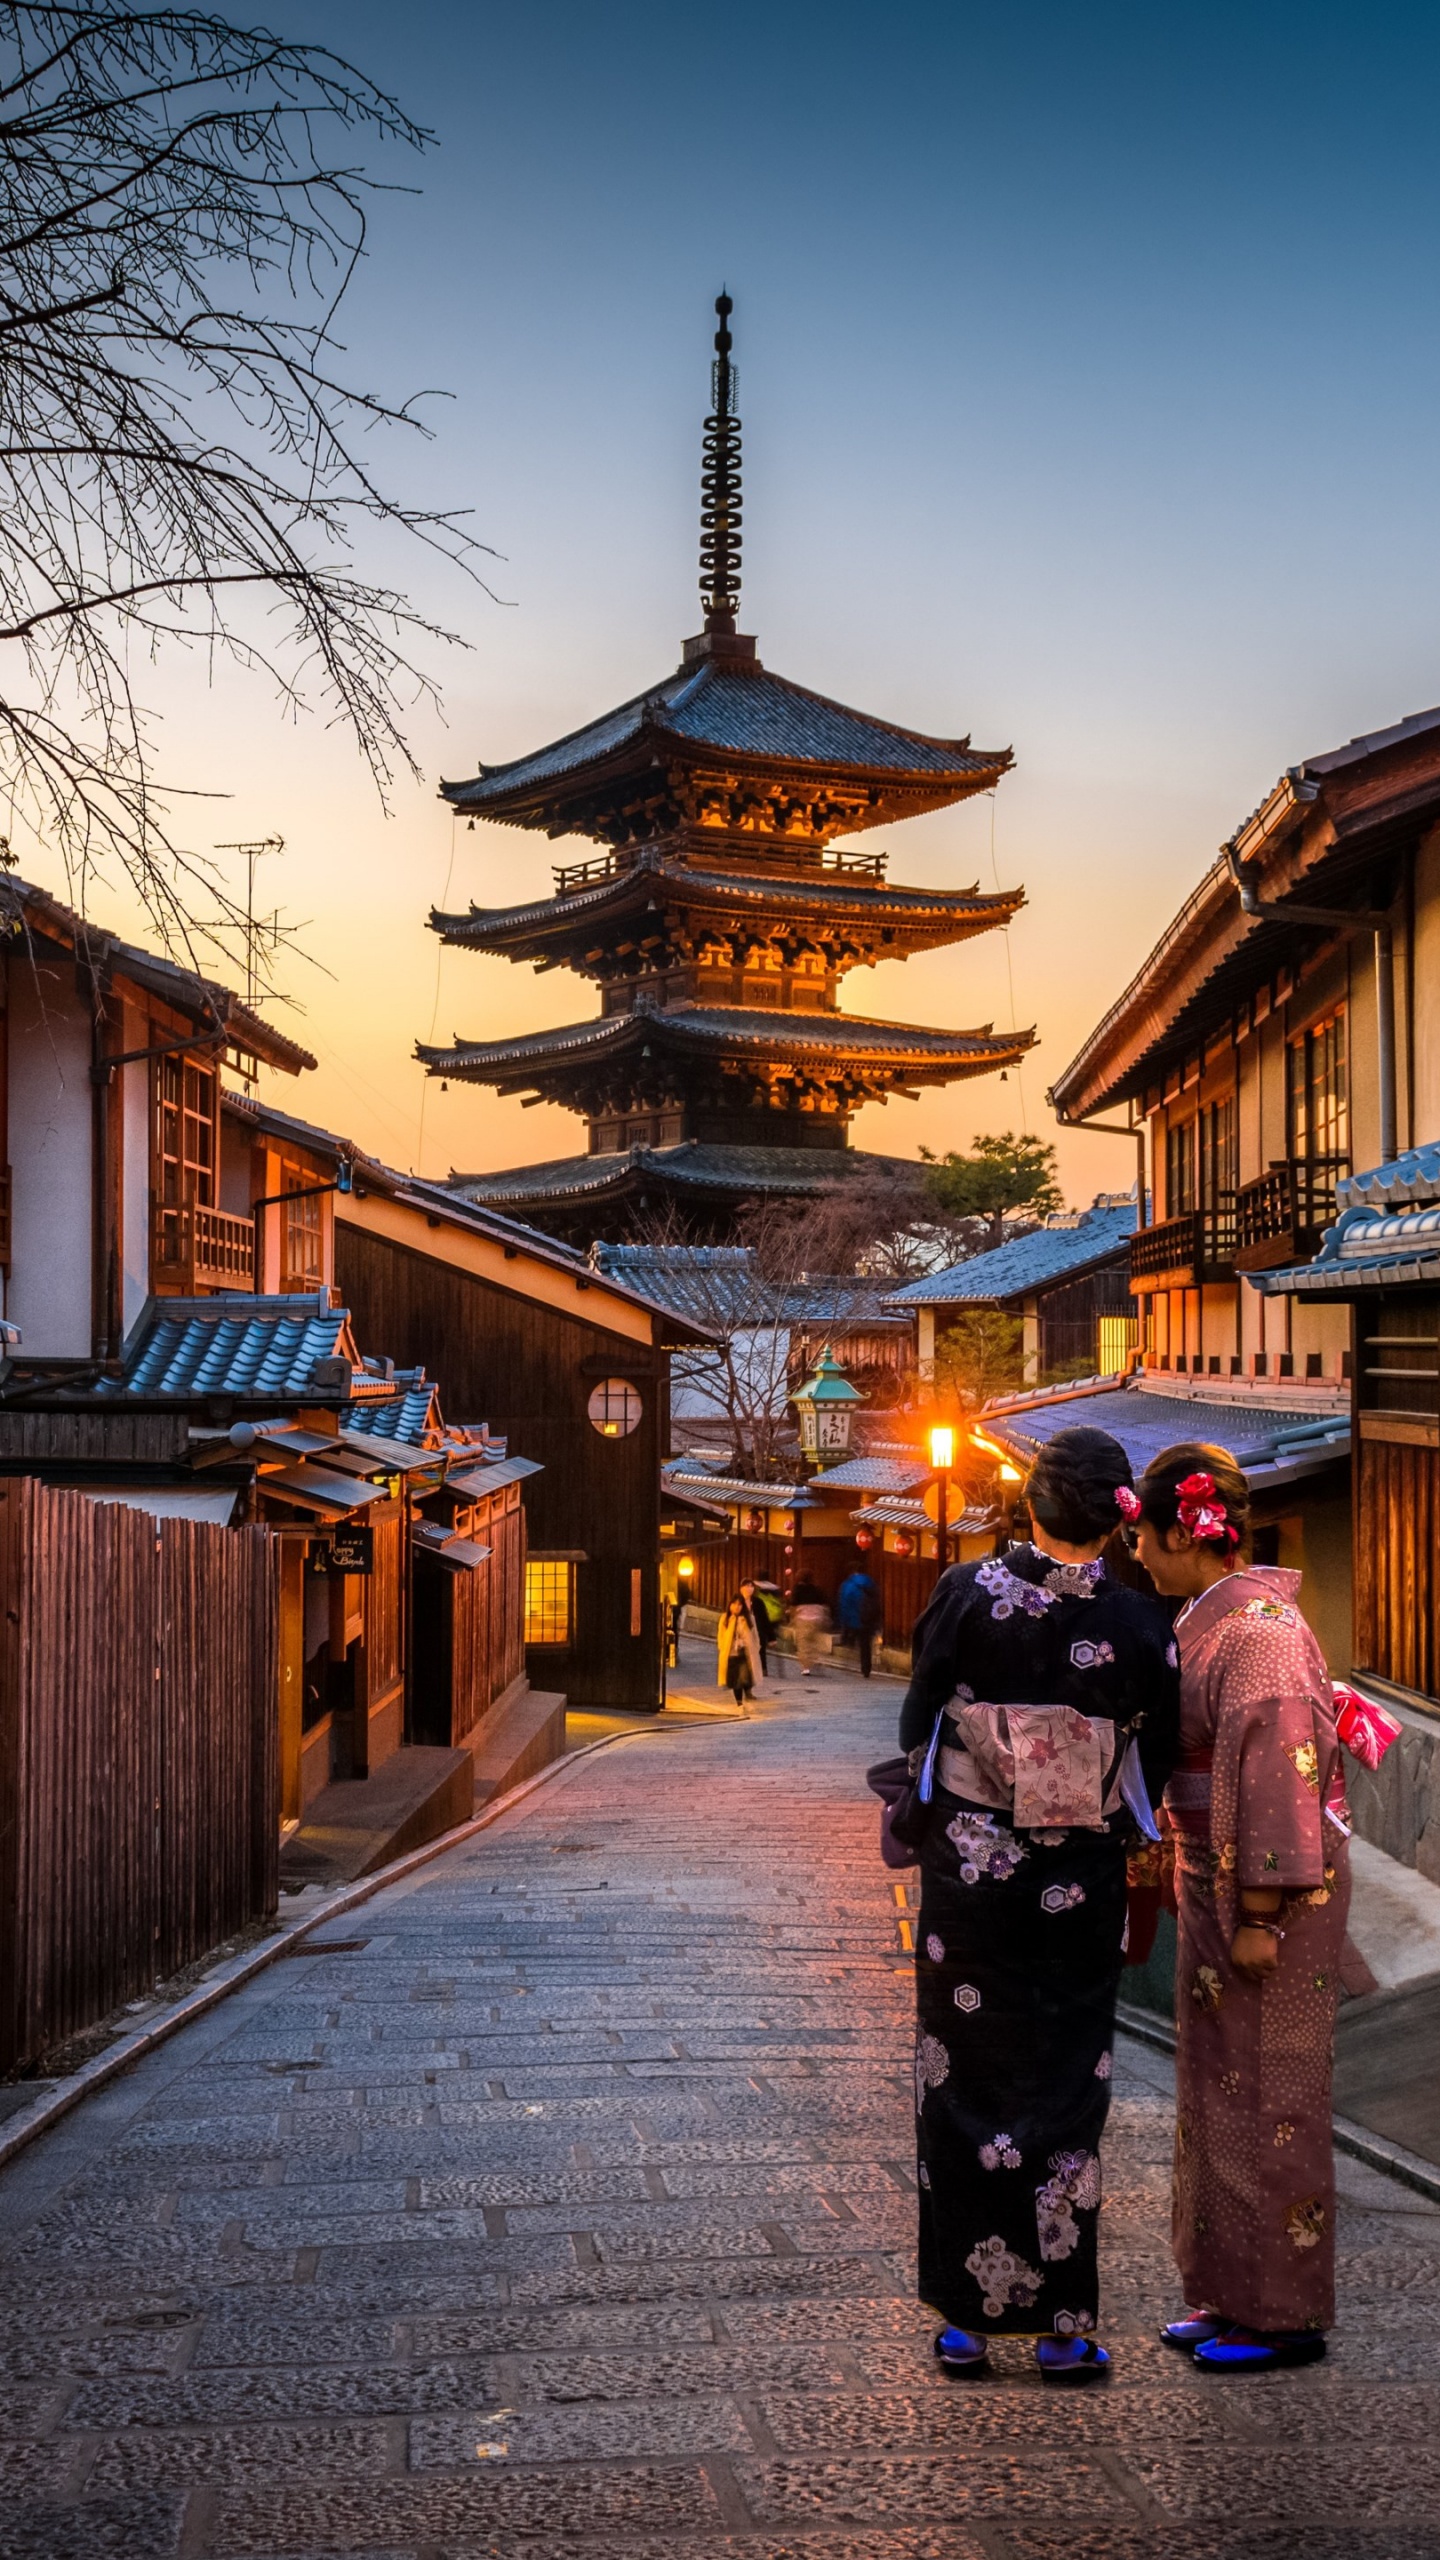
{"points": [[1046, 1767]]}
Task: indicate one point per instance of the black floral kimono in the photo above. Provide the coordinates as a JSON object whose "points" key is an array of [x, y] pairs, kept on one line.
{"points": [[1020, 1940]]}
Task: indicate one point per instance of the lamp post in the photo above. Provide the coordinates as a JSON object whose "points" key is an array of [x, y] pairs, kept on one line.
{"points": [[825, 1405], [942, 1459]]}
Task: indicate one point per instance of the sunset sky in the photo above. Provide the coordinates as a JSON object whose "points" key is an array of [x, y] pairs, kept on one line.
{"points": [[1090, 376]]}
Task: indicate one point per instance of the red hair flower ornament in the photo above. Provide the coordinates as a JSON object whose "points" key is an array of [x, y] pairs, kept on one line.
{"points": [[1202, 1514], [1127, 1503]]}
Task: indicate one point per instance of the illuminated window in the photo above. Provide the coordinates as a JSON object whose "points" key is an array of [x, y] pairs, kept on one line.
{"points": [[614, 1408], [1119, 1337], [549, 1601]]}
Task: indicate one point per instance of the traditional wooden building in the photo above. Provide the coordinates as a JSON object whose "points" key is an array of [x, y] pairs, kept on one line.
{"points": [[569, 1365], [1279, 1052], [111, 1060], [1066, 1283], [718, 921]]}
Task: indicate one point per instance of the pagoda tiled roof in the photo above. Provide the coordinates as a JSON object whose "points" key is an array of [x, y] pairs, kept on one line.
{"points": [[836, 898], [803, 1038], [692, 1166], [739, 709]]}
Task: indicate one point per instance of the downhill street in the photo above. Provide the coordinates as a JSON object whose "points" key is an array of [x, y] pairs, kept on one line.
{"points": [[565, 2205]]}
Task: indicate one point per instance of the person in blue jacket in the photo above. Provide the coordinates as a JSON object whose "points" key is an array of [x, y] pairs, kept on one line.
{"points": [[858, 1608]]}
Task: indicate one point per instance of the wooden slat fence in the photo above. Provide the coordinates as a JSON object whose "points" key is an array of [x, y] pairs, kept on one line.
{"points": [[139, 1781]]}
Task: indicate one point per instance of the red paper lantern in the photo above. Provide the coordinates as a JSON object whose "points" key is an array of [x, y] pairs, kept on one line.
{"points": [[754, 1523], [904, 1543], [864, 1538]]}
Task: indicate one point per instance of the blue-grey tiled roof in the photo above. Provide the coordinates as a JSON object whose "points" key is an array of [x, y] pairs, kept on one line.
{"points": [[1387, 1233], [1058, 1250], [1412, 1180], [1269, 1441], [873, 1475], [231, 1346], [742, 708], [406, 1417]]}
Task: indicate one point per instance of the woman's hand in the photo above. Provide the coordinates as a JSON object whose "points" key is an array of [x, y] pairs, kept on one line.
{"points": [[1254, 1952]]}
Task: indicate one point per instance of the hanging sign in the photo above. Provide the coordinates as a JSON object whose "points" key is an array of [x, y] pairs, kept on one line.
{"points": [[352, 1548]]}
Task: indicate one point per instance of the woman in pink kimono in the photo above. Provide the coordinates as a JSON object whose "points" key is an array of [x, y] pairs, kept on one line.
{"points": [[1263, 1885]]}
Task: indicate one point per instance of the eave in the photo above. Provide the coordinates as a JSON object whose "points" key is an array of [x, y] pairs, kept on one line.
{"points": [[810, 1042], [916, 919], [1321, 837]]}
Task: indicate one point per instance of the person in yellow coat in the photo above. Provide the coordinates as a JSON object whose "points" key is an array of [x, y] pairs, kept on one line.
{"points": [[739, 1649]]}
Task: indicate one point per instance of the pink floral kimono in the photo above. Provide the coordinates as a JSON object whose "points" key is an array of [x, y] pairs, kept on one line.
{"points": [[1257, 1800]]}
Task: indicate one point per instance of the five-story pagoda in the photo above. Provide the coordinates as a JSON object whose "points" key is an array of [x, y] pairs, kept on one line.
{"points": [[718, 920]]}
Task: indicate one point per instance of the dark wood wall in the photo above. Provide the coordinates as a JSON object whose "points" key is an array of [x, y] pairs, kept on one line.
{"points": [[1397, 1586], [139, 1774], [1070, 1317], [529, 1370]]}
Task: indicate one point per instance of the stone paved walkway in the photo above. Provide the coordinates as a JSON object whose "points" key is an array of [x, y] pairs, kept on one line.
{"points": [[564, 2206]]}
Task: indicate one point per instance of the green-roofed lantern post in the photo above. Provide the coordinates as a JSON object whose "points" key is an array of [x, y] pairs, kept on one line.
{"points": [[826, 1406]]}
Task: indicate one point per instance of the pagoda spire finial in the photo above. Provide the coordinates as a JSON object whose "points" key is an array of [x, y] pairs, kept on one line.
{"points": [[720, 487]]}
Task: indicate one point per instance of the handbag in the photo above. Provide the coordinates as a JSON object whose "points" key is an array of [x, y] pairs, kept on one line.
{"points": [[905, 1797]]}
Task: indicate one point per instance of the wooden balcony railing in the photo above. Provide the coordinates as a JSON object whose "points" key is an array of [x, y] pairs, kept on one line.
{"points": [[197, 1249], [1182, 1253], [1281, 1216], [569, 876], [854, 866]]}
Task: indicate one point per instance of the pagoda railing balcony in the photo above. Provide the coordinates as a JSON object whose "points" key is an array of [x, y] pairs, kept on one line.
{"points": [[570, 876], [1184, 1252], [854, 866], [1281, 1216], [197, 1249]]}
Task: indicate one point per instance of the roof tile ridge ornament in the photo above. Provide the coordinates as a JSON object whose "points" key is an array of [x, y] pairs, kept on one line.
{"points": [[721, 511]]}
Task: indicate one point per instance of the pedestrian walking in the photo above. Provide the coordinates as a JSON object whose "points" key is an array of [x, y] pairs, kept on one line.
{"points": [[1263, 1887], [858, 1608], [810, 1617], [763, 1602], [1048, 1693], [739, 1650]]}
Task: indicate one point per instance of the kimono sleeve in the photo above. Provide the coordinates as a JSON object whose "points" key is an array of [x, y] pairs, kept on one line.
{"points": [[936, 1642], [1265, 1731]]}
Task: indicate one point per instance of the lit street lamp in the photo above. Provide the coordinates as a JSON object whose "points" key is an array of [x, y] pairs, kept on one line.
{"points": [[942, 1459]]}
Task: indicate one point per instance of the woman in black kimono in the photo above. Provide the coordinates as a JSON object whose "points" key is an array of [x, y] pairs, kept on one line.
{"points": [[1060, 1699]]}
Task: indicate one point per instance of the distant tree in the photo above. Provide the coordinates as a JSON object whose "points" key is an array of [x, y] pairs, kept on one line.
{"points": [[182, 208], [984, 1190], [979, 1356]]}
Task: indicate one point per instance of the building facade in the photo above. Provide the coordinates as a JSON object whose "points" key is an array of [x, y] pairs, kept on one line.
{"points": [[1280, 1054]]}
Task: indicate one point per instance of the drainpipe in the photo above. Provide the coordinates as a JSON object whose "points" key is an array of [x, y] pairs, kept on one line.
{"points": [[1343, 920], [1115, 1129]]}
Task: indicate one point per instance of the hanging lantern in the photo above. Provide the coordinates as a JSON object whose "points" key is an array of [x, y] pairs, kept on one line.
{"points": [[864, 1539], [754, 1523], [904, 1543], [826, 1405]]}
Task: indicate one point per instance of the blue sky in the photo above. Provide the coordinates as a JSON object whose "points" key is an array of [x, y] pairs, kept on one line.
{"points": [[1090, 372]]}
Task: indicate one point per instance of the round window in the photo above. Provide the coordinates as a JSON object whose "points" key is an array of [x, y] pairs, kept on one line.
{"points": [[614, 1408]]}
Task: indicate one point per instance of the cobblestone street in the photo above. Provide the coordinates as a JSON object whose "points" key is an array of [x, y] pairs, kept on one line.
{"points": [[563, 2202]]}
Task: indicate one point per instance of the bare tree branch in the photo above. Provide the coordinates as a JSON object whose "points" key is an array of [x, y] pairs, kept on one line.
{"points": [[177, 232]]}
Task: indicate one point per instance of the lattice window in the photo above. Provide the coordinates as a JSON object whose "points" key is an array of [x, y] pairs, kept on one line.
{"points": [[615, 1408], [302, 1235], [1319, 1090], [1180, 1170], [549, 1601], [186, 1095]]}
